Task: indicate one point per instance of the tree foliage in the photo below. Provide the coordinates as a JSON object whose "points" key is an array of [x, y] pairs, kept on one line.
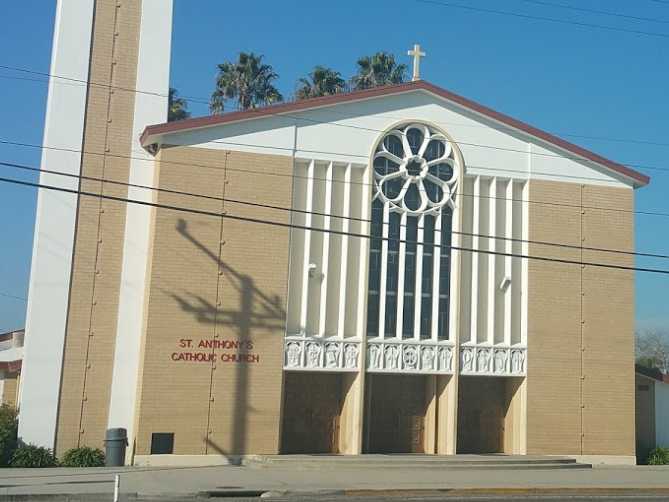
{"points": [[177, 107], [322, 81], [248, 80], [9, 425], [378, 69], [83, 457], [30, 455], [652, 349], [658, 456]]}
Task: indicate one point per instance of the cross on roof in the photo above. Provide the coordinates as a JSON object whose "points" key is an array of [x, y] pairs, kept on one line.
{"points": [[417, 54]]}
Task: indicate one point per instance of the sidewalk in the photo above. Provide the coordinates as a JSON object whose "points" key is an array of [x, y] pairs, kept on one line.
{"points": [[191, 481]]}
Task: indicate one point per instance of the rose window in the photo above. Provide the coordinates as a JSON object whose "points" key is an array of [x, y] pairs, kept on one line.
{"points": [[415, 170]]}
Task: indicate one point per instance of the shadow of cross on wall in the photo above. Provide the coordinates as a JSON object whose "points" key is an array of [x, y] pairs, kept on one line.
{"points": [[255, 310]]}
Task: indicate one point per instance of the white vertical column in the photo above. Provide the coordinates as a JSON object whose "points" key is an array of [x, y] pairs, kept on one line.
{"points": [[400, 275], [419, 276], [436, 271], [308, 219], [508, 261], [476, 241], [492, 232], [327, 219], [153, 76], [346, 228], [365, 210], [55, 222], [384, 270], [525, 233]]}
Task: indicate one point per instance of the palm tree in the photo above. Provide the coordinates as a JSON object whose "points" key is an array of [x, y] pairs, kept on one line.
{"points": [[321, 81], [177, 108], [379, 69], [248, 80]]}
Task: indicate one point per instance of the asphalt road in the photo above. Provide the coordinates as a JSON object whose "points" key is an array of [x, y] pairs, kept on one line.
{"points": [[449, 498], [377, 496]]}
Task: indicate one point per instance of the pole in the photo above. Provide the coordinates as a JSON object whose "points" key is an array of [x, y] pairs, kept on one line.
{"points": [[117, 487]]}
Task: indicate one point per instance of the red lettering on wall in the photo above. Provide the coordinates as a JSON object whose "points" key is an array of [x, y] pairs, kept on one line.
{"points": [[208, 354], [198, 357]]}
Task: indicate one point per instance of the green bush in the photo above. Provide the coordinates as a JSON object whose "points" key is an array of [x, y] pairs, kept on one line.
{"points": [[83, 457], [9, 425], [29, 455], [658, 456]]}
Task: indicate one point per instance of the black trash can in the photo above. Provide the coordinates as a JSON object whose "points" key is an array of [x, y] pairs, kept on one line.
{"points": [[116, 441]]}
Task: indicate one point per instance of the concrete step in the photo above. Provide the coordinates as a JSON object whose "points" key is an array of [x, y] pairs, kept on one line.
{"points": [[451, 462]]}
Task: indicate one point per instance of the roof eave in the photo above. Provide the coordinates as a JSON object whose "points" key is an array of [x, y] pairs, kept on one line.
{"points": [[152, 134]]}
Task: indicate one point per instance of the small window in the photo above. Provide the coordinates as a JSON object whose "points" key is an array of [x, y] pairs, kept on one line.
{"points": [[162, 443], [643, 387]]}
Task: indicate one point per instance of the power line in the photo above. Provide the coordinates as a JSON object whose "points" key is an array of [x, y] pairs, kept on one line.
{"points": [[7, 295], [330, 231], [97, 84], [544, 18], [361, 183], [203, 101], [459, 143], [330, 215], [594, 11]]}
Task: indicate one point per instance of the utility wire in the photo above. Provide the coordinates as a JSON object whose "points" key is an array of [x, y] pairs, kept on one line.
{"points": [[202, 101], [7, 295], [594, 11], [317, 213], [544, 18], [97, 84], [330, 231], [359, 183]]}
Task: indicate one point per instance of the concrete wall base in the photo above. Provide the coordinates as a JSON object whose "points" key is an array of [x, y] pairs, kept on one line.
{"points": [[603, 459], [187, 460]]}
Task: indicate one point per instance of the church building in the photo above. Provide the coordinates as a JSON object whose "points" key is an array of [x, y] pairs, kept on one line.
{"points": [[392, 270]]}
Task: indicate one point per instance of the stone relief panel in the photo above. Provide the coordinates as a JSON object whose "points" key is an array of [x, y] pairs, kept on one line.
{"points": [[394, 356], [493, 360], [321, 354]]}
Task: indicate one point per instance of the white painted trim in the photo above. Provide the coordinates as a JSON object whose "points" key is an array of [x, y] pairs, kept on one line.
{"points": [[508, 248], [327, 219], [53, 246], [363, 258], [346, 227], [401, 271], [153, 74], [436, 270], [492, 230], [384, 270], [525, 233], [476, 229], [308, 220], [418, 288]]}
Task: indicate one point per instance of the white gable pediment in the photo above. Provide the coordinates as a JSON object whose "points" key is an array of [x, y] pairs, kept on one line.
{"points": [[347, 131]]}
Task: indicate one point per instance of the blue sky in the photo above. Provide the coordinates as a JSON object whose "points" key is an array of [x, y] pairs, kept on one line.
{"points": [[569, 80]]}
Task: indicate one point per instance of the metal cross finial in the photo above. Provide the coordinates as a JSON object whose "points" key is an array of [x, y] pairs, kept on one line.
{"points": [[417, 54]]}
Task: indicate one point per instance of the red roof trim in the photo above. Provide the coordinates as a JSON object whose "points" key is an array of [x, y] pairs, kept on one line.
{"points": [[306, 104]]}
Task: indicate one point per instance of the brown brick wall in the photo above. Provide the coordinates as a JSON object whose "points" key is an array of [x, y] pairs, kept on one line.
{"points": [[221, 280], [10, 389], [608, 324], [98, 248], [580, 323]]}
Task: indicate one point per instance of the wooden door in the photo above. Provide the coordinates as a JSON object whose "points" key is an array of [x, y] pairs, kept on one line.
{"points": [[481, 411], [396, 416], [311, 411]]}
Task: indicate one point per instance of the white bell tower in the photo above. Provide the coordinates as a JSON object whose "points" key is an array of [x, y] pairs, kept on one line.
{"points": [[120, 51]]}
